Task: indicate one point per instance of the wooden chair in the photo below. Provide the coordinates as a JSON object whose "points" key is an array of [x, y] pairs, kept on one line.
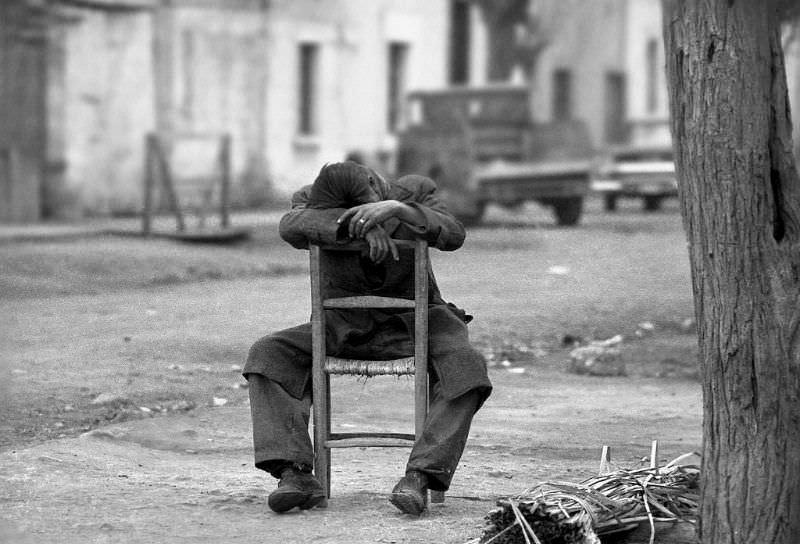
{"points": [[324, 366]]}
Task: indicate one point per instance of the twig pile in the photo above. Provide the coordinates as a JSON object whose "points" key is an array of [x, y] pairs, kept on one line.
{"points": [[566, 513]]}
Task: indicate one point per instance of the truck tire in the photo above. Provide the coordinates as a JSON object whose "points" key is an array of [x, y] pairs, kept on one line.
{"points": [[652, 203], [610, 202], [568, 210], [474, 217]]}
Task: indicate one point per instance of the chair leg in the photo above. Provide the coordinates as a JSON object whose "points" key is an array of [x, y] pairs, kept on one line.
{"points": [[437, 497], [322, 460], [327, 435]]}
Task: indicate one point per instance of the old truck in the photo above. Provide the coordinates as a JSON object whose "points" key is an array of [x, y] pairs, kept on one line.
{"points": [[481, 147]]}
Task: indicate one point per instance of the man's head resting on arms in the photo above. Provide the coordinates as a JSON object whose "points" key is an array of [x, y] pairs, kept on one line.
{"points": [[347, 184], [365, 196]]}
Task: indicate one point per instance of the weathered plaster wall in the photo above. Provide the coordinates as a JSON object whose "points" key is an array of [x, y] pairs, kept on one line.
{"points": [[353, 37], [649, 124], [207, 66], [219, 86], [585, 39], [23, 48], [792, 59], [106, 108]]}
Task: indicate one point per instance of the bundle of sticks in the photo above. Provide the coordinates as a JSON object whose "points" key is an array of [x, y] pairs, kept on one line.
{"points": [[612, 502]]}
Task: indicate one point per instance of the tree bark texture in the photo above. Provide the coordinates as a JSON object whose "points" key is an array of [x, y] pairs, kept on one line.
{"points": [[740, 201]]}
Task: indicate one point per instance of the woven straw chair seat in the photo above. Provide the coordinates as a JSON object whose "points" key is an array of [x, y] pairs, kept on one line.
{"points": [[360, 367]]}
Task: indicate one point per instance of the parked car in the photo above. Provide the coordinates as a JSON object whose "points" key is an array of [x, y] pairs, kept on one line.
{"points": [[481, 147], [636, 171]]}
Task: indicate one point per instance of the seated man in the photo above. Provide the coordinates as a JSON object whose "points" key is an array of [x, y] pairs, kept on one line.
{"points": [[350, 201]]}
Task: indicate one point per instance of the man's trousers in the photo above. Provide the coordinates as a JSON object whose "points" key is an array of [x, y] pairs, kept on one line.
{"points": [[281, 436]]}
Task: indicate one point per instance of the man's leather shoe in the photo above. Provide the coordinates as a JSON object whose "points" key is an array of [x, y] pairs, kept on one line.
{"points": [[296, 488], [410, 495]]}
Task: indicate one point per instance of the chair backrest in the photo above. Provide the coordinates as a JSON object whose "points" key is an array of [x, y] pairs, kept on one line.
{"points": [[420, 305], [322, 366], [420, 248]]}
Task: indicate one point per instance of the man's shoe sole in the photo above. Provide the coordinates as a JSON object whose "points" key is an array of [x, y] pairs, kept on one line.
{"points": [[407, 503], [282, 501], [315, 499]]}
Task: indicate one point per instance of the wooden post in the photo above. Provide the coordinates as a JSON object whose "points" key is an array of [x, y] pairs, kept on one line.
{"points": [[225, 175], [605, 460], [421, 332], [166, 180], [654, 454], [147, 212], [14, 181]]}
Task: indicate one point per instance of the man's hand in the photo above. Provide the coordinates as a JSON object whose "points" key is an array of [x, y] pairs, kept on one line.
{"points": [[365, 217], [380, 245]]}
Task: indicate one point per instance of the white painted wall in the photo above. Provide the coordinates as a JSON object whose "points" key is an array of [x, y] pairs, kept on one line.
{"points": [[792, 60], [354, 38], [245, 70], [242, 78], [218, 86], [585, 38], [107, 108], [644, 25]]}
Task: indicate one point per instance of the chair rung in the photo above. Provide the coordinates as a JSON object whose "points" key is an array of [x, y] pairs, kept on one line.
{"points": [[369, 440], [367, 301], [358, 367]]}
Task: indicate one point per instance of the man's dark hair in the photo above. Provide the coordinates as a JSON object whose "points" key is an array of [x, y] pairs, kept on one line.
{"points": [[344, 185]]}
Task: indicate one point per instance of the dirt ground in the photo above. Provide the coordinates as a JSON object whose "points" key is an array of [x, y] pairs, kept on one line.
{"points": [[125, 419]]}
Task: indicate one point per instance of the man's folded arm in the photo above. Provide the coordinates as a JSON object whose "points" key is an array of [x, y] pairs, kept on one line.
{"points": [[439, 227], [429, 219], [300, 227], [303, 225]]}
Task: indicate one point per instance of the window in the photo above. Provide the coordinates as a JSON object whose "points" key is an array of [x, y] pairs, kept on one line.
{"points": [[398, 57], [307, 116], [562, 95], [652, 76], [460, 38], [616, 104]]}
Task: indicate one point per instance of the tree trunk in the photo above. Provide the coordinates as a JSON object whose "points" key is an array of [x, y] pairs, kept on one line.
{"points": [[740, 200]]}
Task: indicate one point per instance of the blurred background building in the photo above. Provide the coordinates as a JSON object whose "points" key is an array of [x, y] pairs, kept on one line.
{"points": [[293, 83]]}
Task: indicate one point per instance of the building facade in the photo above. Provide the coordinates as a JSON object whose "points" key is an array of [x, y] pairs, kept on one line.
{"points": [[294, 83], [601, 62]]}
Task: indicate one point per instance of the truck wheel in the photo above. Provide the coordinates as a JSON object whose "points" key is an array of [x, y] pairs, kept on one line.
{"points": [[652, 203], [474, 217], [568, 210], [610, 203]]}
